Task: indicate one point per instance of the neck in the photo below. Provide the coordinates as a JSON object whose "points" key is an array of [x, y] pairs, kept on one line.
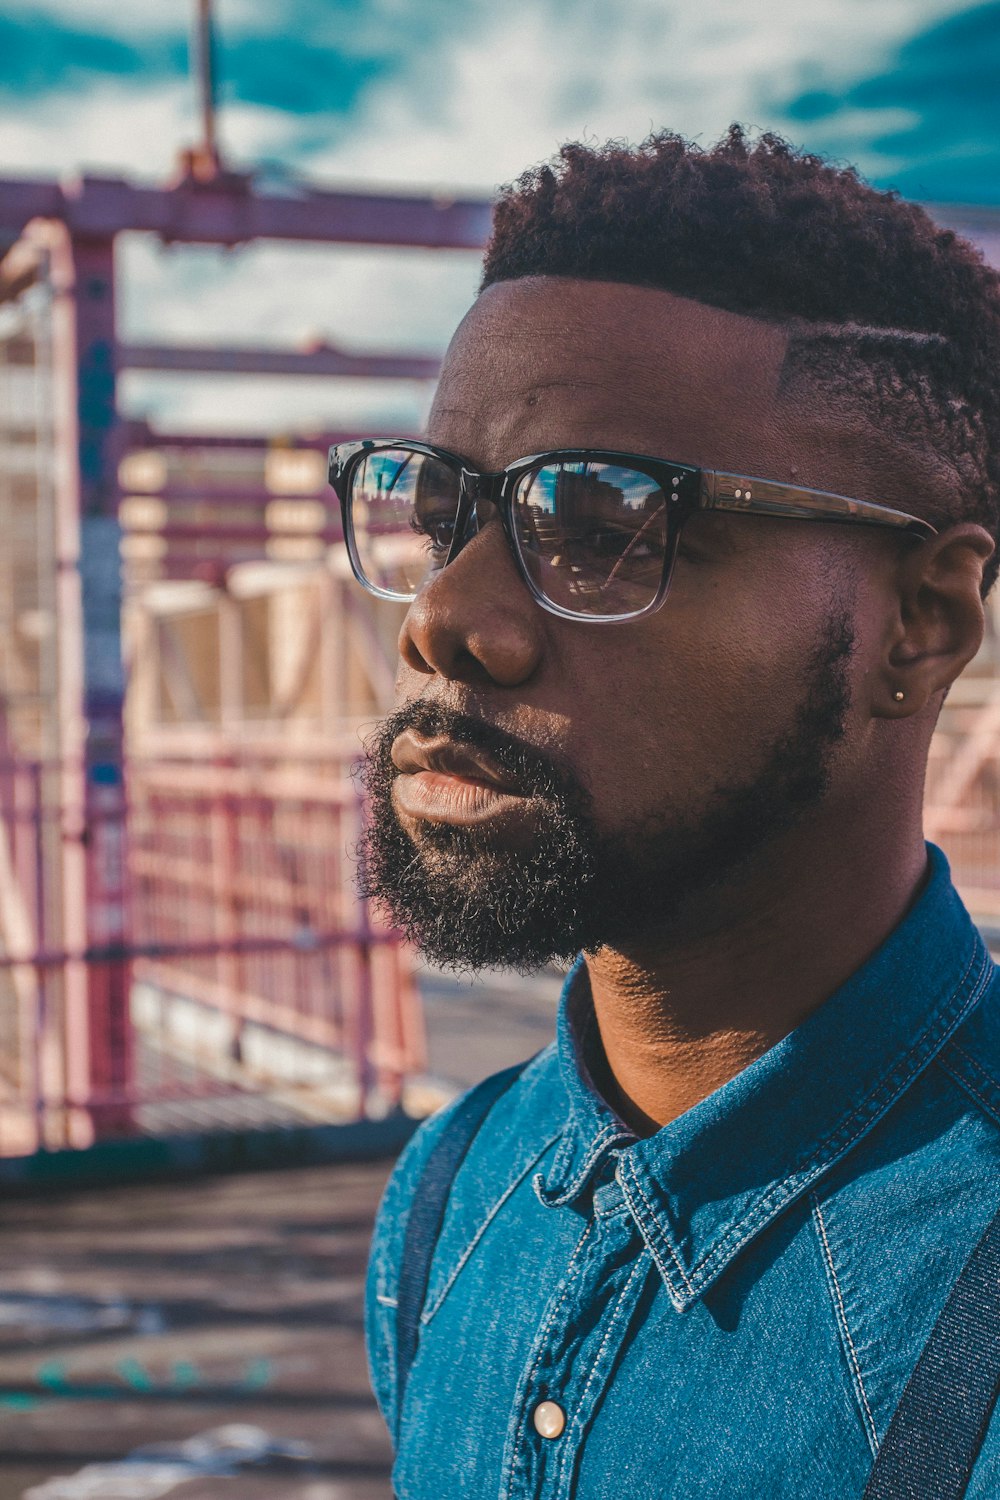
{"points": [[680, 1014]]}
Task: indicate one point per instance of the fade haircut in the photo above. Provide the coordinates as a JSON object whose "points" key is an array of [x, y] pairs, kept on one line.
{"points": [[884, 309]]}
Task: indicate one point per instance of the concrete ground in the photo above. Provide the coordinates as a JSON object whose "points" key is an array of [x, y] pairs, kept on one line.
{"points": [[203, 1339], [132, 1317], [476, 1028]]}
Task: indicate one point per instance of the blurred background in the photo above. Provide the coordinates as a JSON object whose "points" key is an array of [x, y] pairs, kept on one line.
{"points": [[231, 233]]}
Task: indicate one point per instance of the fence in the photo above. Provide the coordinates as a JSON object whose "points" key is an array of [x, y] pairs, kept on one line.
{"points": [[259, 991], [180, 945]]}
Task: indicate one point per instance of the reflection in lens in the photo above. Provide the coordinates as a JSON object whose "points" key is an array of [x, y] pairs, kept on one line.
{"points": [[593, 536], [403, 509]]}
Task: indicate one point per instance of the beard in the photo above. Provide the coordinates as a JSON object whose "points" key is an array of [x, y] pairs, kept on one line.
{"points": [[468, 903]]}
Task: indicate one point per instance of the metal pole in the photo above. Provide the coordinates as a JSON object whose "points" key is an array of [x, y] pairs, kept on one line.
{"points": [[205, 61], [98, 1037]]}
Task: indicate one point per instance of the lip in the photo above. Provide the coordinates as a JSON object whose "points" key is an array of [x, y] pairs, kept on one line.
{"points": [[440, 781]]}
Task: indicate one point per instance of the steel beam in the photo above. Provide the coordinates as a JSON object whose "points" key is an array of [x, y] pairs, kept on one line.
{"points": [[228, 211], [223, 531], [137, 434], [225, 494], [322, 360], [140, 435]]}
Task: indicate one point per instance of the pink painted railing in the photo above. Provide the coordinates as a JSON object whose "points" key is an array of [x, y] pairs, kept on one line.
{"points": [[260, 990]]}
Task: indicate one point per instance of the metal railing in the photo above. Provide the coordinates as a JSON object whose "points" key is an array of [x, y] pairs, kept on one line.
{"points": [[259, 990]]}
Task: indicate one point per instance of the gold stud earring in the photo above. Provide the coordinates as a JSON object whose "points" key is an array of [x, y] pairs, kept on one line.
{"points": [[899, 695]]}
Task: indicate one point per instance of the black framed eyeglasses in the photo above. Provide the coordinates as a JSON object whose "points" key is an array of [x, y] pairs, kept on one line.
{"points": [[594, 533]]}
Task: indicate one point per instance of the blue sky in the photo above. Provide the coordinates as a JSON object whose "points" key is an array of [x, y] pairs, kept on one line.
{"points": [[462, 94]]}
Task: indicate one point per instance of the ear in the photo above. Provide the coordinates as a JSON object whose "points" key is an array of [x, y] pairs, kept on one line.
{"points": [[940, 621]]}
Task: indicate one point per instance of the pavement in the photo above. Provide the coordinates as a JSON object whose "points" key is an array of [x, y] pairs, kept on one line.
{"points": [[203, 1339], [476, 1027]]}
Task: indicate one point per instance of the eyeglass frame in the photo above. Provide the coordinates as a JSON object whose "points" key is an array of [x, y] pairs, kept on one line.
{"points": [[687, 488]]}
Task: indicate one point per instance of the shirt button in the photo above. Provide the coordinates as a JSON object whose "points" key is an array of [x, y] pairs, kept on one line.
{"points": [[549, 1419]]}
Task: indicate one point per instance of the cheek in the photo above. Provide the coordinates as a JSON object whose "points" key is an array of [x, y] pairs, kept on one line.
{"points": [[698, 695]]}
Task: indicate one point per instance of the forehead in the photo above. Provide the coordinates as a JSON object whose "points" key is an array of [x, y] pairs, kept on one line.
{"points": [[549, 362], [554, 362]]}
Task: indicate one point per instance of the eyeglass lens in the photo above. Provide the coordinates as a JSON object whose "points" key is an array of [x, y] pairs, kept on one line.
{"points": [[592, 536]]}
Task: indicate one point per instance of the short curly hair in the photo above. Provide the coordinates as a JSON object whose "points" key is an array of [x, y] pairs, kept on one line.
{"points": [[882, 305]]}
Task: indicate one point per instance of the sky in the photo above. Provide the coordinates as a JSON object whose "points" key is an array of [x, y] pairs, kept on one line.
{"points": [[459, 94]]}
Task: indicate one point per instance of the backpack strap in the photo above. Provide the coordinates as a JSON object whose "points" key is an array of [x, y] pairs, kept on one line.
{"points": [[430, 1199], [938, 1427]]}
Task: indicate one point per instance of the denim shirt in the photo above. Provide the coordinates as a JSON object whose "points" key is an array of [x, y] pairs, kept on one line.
{"points": [[732, 1306]]}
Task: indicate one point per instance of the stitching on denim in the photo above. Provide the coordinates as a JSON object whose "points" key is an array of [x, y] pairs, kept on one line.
{"points": [[986, 1078], [538, 1183], [799, 1180], [965, 1083], [578, 1413], [596, 1147], [610, 1215], [543, 1333], [841, 1315], [975, 1064], [428, 1312], [565, 1152], [603, 1138], [662, 1232], [675, 1296]]}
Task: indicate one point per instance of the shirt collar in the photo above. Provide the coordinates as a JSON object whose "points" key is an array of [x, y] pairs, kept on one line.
{"points": [[795, 1111]]}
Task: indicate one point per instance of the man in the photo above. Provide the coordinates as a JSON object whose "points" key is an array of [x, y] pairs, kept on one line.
{"points": [[696, 1248]]}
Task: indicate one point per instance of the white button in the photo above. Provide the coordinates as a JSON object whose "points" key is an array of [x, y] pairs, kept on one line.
{"points": [[549, 1419]]}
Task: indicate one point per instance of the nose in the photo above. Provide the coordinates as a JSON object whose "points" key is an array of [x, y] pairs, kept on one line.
{"points": [[475, 620]]}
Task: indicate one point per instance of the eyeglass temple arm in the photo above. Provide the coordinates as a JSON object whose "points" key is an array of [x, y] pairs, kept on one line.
{"points": [[739, 492]]}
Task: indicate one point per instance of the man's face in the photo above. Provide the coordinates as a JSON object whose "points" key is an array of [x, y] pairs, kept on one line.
{"points": [[642, 763]]}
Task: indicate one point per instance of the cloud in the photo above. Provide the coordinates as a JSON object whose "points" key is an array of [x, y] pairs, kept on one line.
{"points": [[38, 55], [253, 404], [107, 15], [929, 122], [537, 73], [288, 294], [393, 300], [453, 91], [472, 113], [67, 134], [121, 129], [308, 57]]}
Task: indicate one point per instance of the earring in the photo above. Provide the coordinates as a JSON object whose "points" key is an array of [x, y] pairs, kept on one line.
{"points": [[899, 695]]}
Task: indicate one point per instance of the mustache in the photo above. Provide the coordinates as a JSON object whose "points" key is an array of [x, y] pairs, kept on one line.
{"points": [[534, 771]]}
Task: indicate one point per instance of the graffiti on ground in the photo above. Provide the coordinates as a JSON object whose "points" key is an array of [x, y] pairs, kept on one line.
{"points": [[29, 1313], [155, 1470]]}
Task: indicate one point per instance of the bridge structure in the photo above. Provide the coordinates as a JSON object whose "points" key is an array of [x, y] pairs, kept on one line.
{"points": [[183, 668], [182, 672]]}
